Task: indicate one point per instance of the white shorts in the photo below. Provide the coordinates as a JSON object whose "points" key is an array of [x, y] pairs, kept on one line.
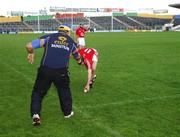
{"points": [[81, 42], [94, 58]]}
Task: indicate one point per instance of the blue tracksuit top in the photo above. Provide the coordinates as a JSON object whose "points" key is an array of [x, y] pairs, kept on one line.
{"points": [[58, 48]]}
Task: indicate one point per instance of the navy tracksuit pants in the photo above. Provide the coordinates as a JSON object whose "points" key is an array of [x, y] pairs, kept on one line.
{"points": [[45, 77]]}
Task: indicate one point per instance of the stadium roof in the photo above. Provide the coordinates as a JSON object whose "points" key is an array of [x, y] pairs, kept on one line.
{"points": [[175, 5]]}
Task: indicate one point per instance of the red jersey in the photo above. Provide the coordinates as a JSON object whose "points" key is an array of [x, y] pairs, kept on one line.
{"points": [[80, 32], [87, 54]]}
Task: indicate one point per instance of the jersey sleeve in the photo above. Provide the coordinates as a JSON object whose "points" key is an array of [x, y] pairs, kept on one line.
{"points": [[37, 43], [75, 52]]}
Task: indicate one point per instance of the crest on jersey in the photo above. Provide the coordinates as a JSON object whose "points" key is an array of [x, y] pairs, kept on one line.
{"points": [[62, 38], [61, 41]]}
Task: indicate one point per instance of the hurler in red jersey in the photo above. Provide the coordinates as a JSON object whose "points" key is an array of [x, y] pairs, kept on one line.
{"points": [[80, 35], [90, 57]]}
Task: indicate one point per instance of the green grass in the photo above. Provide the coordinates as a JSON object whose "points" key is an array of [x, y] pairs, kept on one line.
{"points": [[136, 94]]}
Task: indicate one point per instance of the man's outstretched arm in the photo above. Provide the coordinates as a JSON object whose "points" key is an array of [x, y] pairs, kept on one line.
{"points": [[38, 43]]}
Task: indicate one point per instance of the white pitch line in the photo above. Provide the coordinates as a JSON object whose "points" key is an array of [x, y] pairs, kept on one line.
{"points": [[19, 73], [98, 124]]}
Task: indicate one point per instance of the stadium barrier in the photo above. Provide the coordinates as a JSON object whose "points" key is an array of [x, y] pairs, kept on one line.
{"points": [[155, 16], [42, 17], [10, 19], [69, 15]]}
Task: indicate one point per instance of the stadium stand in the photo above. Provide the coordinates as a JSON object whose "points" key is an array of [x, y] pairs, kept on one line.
{"points": [[129, 22], [121, 21], [176, 20], [152, 23], [12, 25]]}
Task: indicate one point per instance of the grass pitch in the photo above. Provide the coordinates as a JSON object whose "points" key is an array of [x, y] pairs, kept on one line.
{"points": [[136, 93]]}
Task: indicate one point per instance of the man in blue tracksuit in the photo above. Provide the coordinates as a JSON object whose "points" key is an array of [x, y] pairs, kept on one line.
{"points": [[53, 69]]}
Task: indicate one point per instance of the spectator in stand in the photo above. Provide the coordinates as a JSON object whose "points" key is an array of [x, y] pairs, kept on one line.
{"points": [[80, 35]]}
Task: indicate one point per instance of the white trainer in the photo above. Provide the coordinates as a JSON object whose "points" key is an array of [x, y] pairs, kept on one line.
{"points": [[68, 116], [36, 120]]}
